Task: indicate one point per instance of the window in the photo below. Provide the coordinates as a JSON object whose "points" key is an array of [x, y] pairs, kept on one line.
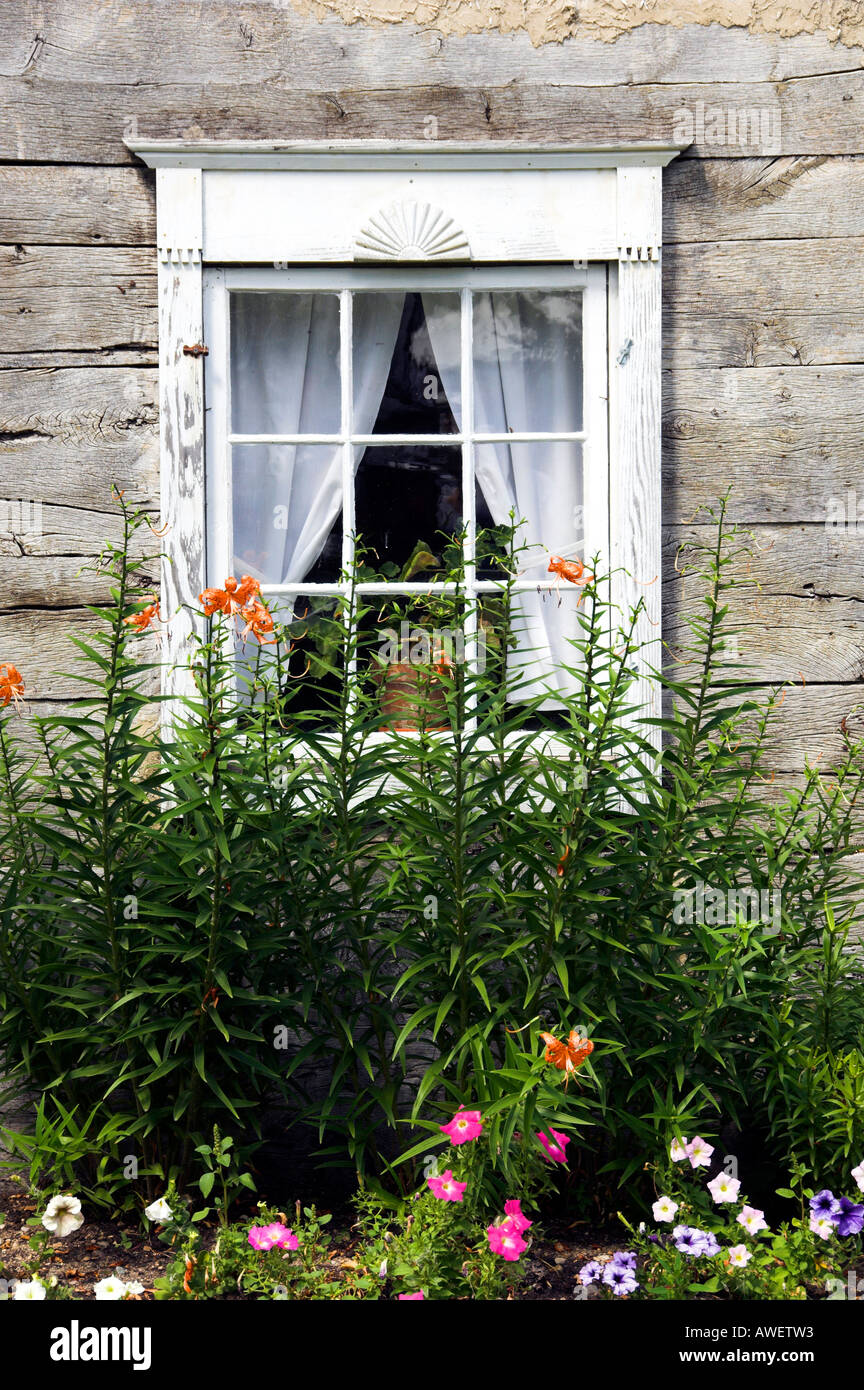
{"points": [[382, 249], [412, 409]]}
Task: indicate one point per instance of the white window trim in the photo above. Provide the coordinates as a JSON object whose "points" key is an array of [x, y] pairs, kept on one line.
{"points": [[258, 202]]}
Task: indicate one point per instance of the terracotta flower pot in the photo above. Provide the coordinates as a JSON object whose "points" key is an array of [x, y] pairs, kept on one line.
{"points": [[411, 696]]}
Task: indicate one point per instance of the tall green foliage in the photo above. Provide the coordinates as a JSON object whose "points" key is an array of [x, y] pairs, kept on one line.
{"points": [[274, 901]]}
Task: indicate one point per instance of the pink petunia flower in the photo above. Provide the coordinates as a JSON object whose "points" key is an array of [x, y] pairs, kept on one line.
{"points": [[699, 1153], [411, 1297], [505, 1240], [554, 1144], [518, 1220], [678, 1150], [465, 1125], [272, 1237], [446, 1188]]}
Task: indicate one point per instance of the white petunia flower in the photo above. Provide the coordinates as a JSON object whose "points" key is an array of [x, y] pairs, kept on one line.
{"points": [[158, 1211], [858, 1175], [723, 1188], [678, 1150], [63, 1215], [664, 1209], [109, 1290], [133, 1288], [699, 1153], [822, 1226], [738, 1256], [29, 1291]]}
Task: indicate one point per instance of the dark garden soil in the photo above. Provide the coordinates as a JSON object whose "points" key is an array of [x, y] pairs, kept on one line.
{"points": [[102, 1247]]}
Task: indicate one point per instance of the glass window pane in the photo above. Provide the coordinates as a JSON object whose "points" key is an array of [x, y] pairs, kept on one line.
{"points": [[406, 363], [409, 504], [527, 361], [285, 363], [287, 512], [539, 487]]}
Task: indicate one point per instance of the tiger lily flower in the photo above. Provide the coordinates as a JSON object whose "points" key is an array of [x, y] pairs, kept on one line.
{"points": [[236, 594], [258, 621], [11, 684], [141, 621], [567, 1056]]}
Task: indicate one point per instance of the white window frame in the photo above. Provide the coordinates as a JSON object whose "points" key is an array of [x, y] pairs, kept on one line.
{"points": [[257, 203]]}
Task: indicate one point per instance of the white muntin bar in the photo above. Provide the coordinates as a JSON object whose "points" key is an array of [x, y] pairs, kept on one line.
{"points": [[443, 440], [480, 586]]}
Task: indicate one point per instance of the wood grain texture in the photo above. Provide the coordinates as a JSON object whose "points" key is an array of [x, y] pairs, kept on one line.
{"points": [[77, 205], [796, 197], [149, 42], [181, 419], [77, 299], [763, 303], [37, 641], [67, 435], [85, 122], [786, 440], [797, 609]]}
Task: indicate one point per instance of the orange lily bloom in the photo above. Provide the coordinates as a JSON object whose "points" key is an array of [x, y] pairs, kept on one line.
{"points": [[562, 862], [141, 621], [572, 570], [567, 1056], [11, 684], [259, 621], [234, 597]]}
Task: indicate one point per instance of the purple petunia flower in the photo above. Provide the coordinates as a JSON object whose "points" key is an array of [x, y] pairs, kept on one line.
{"points": [[686, 1239], [824, 1203], [619, 1279], [590, 1272], [691, 1241], [624, 1259], [849, 1218]]}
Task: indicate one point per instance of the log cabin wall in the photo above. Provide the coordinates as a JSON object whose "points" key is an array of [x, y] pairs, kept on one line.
{"points": [[762, 278]]}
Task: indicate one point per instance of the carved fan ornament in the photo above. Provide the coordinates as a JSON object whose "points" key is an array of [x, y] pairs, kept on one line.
{"points": [[410, 231]]}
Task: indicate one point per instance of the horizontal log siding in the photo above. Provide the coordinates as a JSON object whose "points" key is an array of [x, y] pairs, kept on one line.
{"points": [[763, 331]]}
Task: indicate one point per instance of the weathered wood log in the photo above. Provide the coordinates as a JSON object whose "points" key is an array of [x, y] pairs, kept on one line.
{"points": [[77, 205], [757, 304], [37, 641], [66, 435], [85, 122], [786, 440], [799, 196], [143, 43], [77, 298], [73, 298]]}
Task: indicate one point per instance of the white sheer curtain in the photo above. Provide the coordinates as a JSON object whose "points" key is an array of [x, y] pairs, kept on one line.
{"points": [[285, 380], [527, 376]]}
